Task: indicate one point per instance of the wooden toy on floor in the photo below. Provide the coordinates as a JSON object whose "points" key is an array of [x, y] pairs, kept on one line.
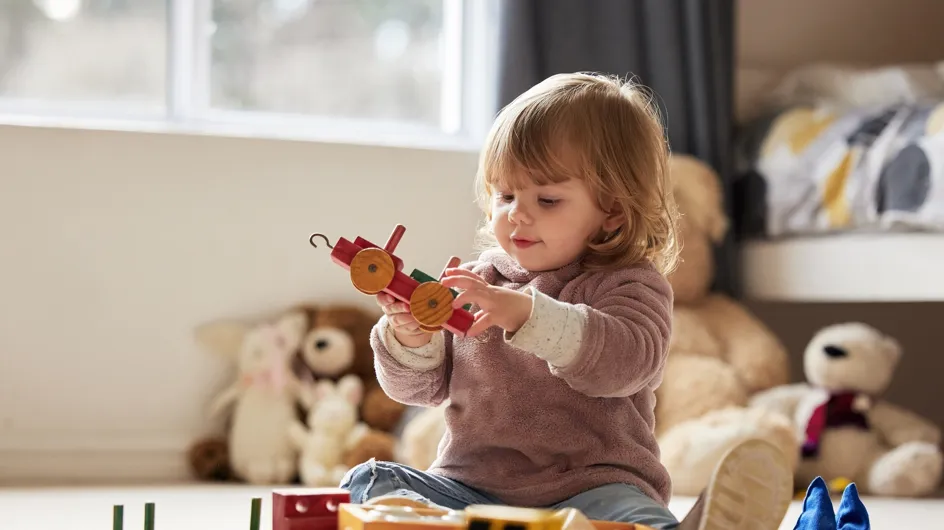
{"points": [[307, 508], [299, 508], [376, 269], [118, 516]]}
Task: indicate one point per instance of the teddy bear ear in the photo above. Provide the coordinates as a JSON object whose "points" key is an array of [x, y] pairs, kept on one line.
{"points": [[322, 389], [292, 327], [892, 348], [222, 337], [351, 388]]}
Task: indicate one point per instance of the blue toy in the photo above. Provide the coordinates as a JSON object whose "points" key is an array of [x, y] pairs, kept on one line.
{"points": [[818, 509]]}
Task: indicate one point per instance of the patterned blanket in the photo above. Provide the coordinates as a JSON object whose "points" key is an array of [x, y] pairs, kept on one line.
{"points": [[812, 169]]}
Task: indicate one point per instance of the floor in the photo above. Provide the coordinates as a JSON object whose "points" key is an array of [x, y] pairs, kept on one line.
{"points": [[216, 507]]}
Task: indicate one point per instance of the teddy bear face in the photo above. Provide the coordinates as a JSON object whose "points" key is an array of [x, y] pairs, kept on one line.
{"points": [[328, 351], [337, 342], [851, 357]]}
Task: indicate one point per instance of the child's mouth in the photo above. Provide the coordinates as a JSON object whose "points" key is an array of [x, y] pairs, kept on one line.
{"points": [[522, 243]]}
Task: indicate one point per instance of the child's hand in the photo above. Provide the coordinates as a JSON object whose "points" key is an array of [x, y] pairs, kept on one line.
{"points": [[405, 328], [499, 306]]}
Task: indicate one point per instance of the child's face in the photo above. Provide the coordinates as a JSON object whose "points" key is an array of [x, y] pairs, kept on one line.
{"points": [[547, 227]]}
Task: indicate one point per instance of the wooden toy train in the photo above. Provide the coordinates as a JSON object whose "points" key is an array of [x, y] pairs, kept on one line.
{"points": [[374, 269], [331, 509]]}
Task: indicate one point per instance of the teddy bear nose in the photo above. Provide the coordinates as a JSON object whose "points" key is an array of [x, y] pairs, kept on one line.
{"points": [[834, 351], [321, 344]]}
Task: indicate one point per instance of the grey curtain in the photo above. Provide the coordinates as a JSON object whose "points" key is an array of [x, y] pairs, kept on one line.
{"points": [[682, 49]]}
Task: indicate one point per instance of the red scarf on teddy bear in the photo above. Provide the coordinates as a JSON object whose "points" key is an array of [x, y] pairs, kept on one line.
{"points": [[839, 410]]}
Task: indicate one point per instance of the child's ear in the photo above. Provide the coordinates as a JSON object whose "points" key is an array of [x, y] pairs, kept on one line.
{"points": [[613, 221]]}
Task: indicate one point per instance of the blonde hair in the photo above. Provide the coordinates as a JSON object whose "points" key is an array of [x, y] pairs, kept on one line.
{"points": [[604, 131]]}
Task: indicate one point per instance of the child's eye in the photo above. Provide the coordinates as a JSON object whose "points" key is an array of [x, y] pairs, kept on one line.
{"points": [[548, 202], [506, 197]]}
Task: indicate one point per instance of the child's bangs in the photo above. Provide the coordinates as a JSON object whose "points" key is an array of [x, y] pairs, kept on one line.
{"points": [[529, 149]]}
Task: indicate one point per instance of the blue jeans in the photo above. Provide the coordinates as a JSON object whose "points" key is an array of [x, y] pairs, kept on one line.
{"points": [[612, 502]]}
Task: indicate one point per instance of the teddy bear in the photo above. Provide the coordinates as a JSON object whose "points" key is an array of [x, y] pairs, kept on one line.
{"points": [[847, 430], [337, 343], [263, 396], [212, 457], [719, 353], [333, 428], [419, 442]]}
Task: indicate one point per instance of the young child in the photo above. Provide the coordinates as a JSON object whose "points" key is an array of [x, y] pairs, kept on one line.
{"points": [[551, 394]]}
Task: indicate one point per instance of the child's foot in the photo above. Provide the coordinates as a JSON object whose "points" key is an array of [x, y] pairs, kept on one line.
{"points": [[750, 489]]}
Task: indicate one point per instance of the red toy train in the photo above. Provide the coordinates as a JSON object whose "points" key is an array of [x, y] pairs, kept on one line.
{"points": [[376, 269]]}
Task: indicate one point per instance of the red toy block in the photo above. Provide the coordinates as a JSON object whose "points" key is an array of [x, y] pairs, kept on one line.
{"points": [[376, 269], [307, 508]]}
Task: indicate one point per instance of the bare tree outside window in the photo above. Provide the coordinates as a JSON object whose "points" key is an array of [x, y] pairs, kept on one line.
{"points": [[367, 59], [362, 59], [83, 51]]}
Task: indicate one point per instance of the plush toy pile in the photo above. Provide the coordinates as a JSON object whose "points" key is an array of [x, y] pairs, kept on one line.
{"points": [[305, 405]]}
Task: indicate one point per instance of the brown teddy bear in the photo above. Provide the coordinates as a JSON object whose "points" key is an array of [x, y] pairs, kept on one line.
{"points": [[719, 354], [338, 343]]}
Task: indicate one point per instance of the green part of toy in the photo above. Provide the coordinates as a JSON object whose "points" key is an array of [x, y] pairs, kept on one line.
{"points": [[118, 517], [422, 277], [255, 514], [149, 516]]}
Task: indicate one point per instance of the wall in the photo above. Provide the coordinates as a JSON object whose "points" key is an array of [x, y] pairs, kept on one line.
{"points": [[115, 245]]}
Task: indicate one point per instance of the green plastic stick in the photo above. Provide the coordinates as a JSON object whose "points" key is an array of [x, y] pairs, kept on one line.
{"points": [[256, 513], [118, 517], [149, 516]]}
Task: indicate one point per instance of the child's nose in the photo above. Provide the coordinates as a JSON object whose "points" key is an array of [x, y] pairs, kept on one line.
{"points": [[519, 215]]}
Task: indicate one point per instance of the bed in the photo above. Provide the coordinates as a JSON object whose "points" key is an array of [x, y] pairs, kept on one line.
{"points": [[838, 190]]}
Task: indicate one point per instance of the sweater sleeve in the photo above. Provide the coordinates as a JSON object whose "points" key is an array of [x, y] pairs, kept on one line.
{"points": [[412, 376], [613, 343]]}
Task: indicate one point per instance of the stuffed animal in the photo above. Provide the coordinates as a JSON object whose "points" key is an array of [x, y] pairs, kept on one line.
{"points": [[333, 428], [419, 443], [848, 430], [337, 343], [719, 353], [263, 396]]}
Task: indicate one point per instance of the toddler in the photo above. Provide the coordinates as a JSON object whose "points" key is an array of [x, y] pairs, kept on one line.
{"points": [[551, 394]]}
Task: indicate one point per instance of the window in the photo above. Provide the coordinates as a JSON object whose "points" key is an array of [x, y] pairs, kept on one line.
{"points": [[330, 68]]}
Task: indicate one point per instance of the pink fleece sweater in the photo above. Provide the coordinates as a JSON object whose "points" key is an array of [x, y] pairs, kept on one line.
{"points": [[560, 407]]}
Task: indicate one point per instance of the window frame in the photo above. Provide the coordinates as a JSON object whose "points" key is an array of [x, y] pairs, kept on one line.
{"points": [[468, 98]]}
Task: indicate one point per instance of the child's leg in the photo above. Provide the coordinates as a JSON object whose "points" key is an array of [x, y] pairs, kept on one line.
{"points": [[621, 503], [750, 489], [373, 479]]}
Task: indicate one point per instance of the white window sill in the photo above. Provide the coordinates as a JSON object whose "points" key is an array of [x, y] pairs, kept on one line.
{"points": [[348, 132]]}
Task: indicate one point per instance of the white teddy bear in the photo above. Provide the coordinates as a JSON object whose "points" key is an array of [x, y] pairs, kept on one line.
{"points": [[333, 428], [846, 430]]}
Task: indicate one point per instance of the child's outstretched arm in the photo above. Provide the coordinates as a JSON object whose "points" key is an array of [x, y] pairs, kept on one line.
{"points": [[613, 343], [413, 376]]}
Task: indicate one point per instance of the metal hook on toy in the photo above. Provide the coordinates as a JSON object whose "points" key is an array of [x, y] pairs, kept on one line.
{"points": [[322, 236]]}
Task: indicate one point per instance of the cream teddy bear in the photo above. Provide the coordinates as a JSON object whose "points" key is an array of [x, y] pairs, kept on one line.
{"points": [[333, 429], [264, 394], [848, 431], [719, 353]]}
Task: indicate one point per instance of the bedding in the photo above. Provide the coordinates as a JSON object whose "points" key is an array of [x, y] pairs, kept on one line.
{"points": [[820, 168]]}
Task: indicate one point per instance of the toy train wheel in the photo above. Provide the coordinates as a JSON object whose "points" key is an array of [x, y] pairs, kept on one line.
{"points": [[431, 304], [430, 329], [372, 270]]}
